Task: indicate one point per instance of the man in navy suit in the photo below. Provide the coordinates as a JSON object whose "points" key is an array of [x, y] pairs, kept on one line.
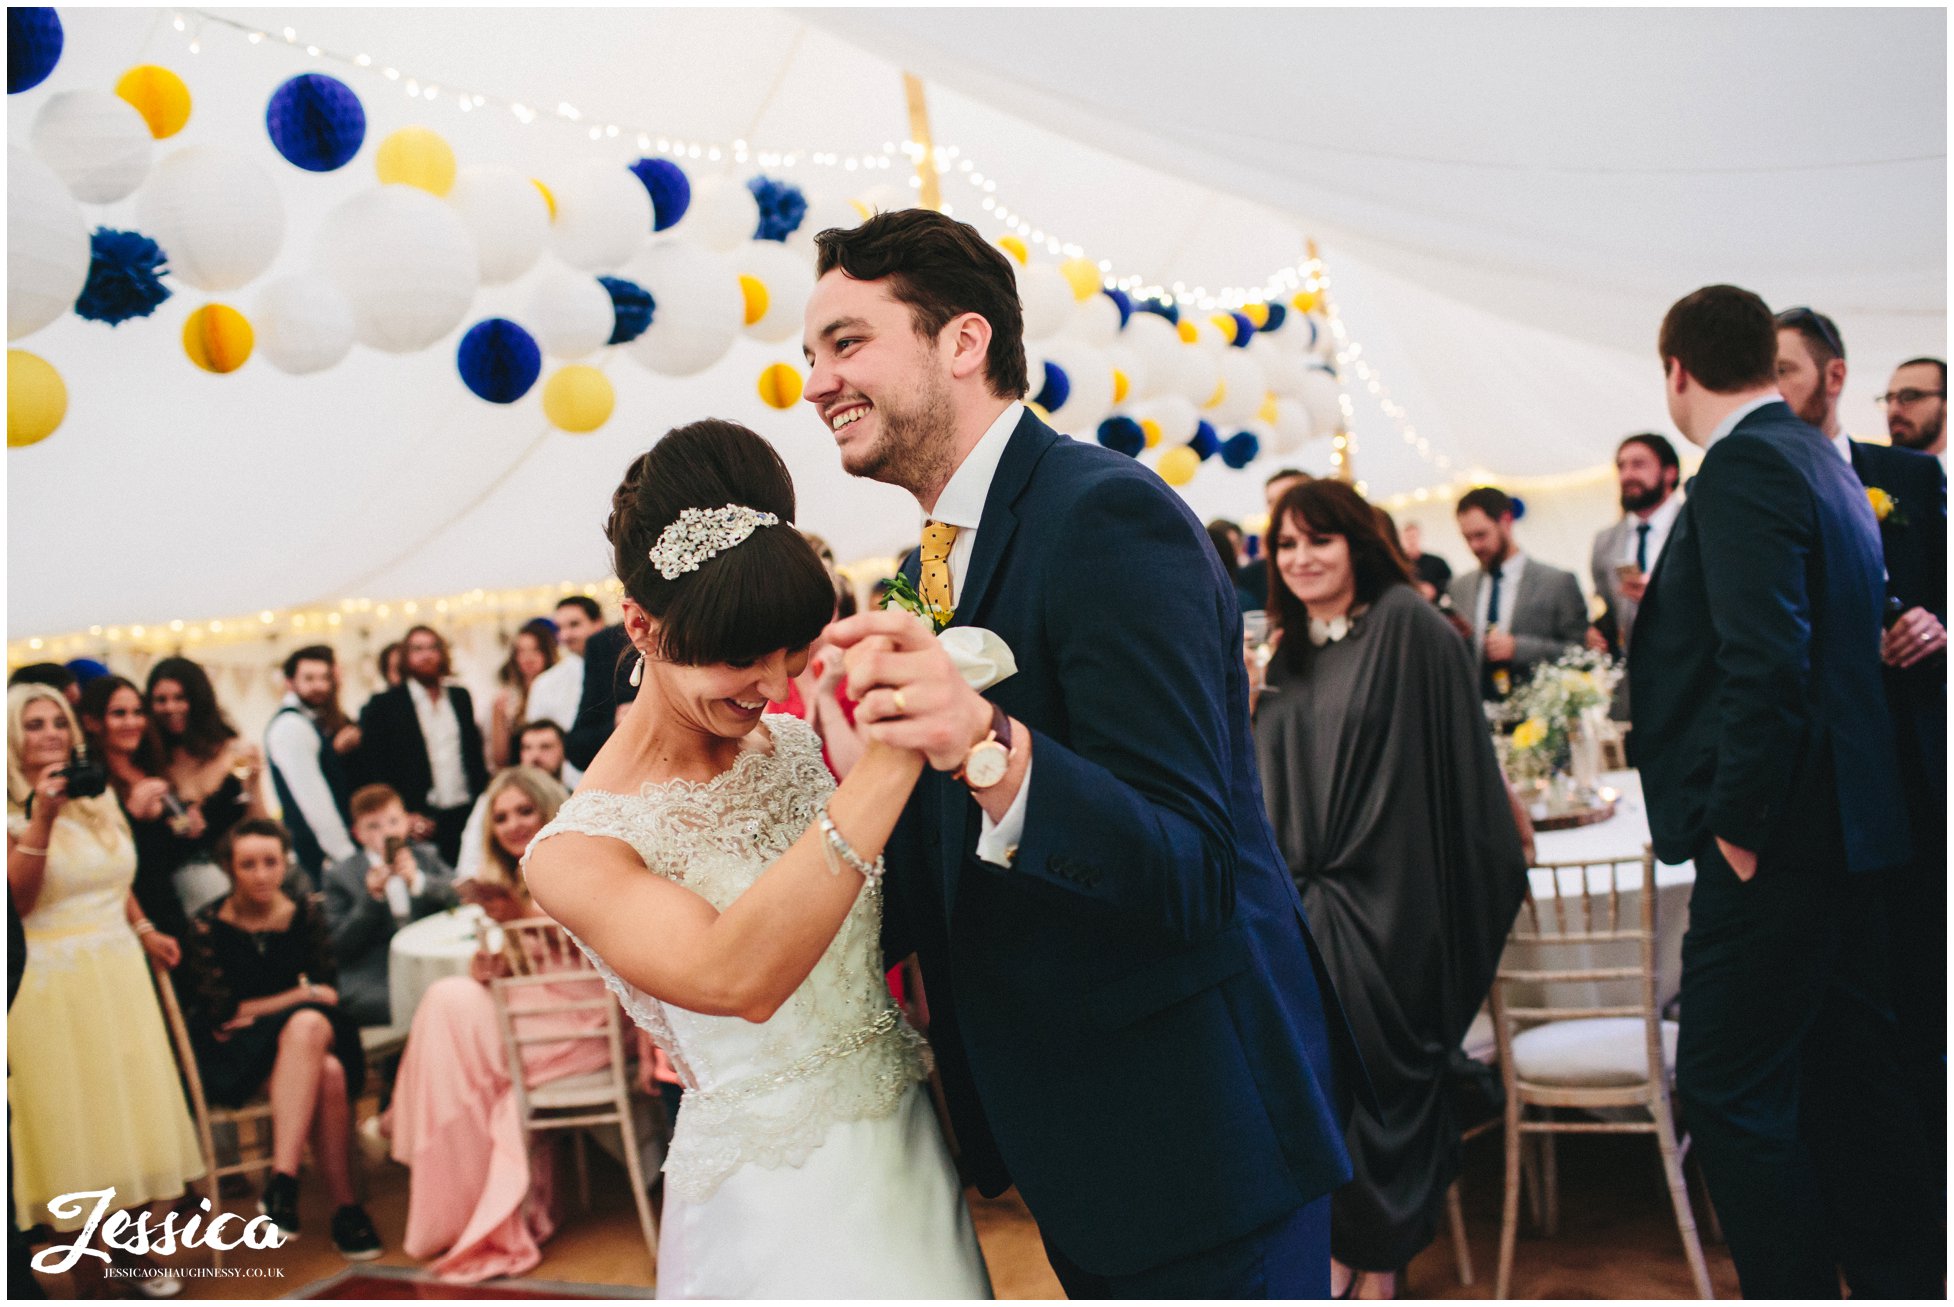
{"points": [[1127, 1010], [1909, 492], [1768, 758]]}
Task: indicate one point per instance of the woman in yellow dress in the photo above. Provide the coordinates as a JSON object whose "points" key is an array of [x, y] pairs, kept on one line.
{"points": [[92, 1083]]}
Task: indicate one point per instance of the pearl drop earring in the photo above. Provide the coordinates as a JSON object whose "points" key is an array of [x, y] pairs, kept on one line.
{"points": [[638, 672]]}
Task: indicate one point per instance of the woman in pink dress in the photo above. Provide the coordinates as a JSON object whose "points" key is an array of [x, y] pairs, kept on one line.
{"points": [[481, 1199]]}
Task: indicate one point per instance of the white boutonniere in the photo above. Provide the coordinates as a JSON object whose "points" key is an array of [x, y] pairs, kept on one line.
{"points": [[981, 657]]}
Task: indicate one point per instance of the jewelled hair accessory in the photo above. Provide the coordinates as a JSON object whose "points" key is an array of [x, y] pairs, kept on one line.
{"points": [[701, 534]]}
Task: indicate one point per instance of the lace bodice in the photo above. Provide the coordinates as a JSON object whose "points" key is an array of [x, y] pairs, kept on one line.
{"points": [[82, 905], [837, 1050]]}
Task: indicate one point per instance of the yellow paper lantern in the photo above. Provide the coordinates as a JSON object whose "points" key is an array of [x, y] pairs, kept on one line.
{"points": [[416, 156], [1225, 324], [1189, 332], [548, 199], [780, 386], [37, 399], [1306, 300], [1039, 411], [578, 398], [1083, 274], [1268, 410], [1178, 466], [1219, 397], [1122, 385], [159, 95], [1015, 247], [1257, 314], [217, 338], [1152, 429], [757, 299]]}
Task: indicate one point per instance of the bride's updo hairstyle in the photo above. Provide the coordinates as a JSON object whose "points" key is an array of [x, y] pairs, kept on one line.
{"points": [[768, 592]]}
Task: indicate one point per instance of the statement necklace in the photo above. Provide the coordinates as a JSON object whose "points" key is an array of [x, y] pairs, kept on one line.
{"points": [[1323, 632]]}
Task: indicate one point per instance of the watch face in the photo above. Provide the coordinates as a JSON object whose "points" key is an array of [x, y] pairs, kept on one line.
{"points": [[986, 765]]}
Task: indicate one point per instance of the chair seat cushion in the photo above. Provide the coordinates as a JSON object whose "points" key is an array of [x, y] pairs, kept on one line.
{"points": [[1592, 1052], [1480, 1043], [589, 1090]]}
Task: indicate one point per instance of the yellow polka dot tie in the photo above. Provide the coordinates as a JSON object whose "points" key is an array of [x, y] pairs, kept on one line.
{"points": [[936, 586]]}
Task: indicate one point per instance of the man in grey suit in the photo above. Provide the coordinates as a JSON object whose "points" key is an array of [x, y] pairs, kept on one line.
{"points": [[1650, 475], [1523, 612], [388, 883]]}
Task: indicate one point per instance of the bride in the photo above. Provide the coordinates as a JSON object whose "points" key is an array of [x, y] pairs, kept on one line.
{"points": [[731, 895]]}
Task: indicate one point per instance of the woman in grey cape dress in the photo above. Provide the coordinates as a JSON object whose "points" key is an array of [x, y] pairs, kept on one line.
{"points": [[1389, 806]]}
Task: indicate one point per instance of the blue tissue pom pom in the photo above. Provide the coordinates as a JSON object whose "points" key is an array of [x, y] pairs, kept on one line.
{"points": [[34, 41], [1171, 312], [1240, 449], [1519, 507], [1057, 389], [316, 122], [125, 277], [498, 360], [1205, 443], [1125, 303], [633, 307], [1277, 316], [669, 188], [1123, 435], [782, 207], [1244, 330]]}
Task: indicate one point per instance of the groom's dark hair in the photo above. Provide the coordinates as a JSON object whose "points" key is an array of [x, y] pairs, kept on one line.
{"points": [[940, 268]]}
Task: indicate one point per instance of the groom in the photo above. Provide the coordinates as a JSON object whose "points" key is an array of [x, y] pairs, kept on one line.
{"points": [[1128, 1012]]}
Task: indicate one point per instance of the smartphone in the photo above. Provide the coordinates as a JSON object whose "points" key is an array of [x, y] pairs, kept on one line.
{"points": [[394, 845]]}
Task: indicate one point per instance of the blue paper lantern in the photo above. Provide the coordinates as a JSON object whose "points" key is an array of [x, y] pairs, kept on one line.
{"points": [[633, 307], [1206, 442], [782, 208], [1277, 316], [499, 360], [1124, 303], [1244, 330], [125, 277], [1304, 322], [316, 122], [1123, 435], [1519, 507], [34, 41], [670, 191], [1057, 389], [86, 669], [1171, 312], [1240, 449]]}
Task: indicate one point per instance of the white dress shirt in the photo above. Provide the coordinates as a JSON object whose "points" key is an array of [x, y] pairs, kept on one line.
{"points": [[293, 745], [557, 694], [1736, 415], [1661, 520], [441, 731], [1509, 586], [962, 505]]}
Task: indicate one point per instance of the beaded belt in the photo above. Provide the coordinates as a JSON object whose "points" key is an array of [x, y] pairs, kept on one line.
{"points": [[801, 1068]]}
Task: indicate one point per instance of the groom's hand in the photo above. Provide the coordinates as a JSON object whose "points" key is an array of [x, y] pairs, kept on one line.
{"points": [[909, 694]]}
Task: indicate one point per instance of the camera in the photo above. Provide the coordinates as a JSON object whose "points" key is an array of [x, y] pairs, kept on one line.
{"points": [[86, 776]]}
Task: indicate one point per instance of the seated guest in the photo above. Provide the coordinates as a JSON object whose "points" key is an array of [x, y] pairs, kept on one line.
{"points": [[540, 745], [1410, 886], [1523, 612], [480, 1198], [388, 883], [266, 1019]]}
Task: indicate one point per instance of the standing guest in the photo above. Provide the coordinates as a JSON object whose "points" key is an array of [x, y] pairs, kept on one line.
{"points": [[1768, 758], [420, 737], [92, 1084], [1410, 888], [1916, 407], [844, 593], [1913, 542], [267, 1019], [167, 833], [1649, 475], [480, 1196], [607, 692], [557, 693], [53, 674], [531, 653], [388, 883], [209, 767], [307, 769], [391, 660], [1228, 539], [1430, 574], [1254, 576], [1523, 612], [539, 746]]}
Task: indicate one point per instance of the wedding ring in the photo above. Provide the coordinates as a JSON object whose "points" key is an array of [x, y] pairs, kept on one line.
{"points": [[902, 709]]}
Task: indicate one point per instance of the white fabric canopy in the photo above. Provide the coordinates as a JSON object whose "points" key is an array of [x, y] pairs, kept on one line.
{"points": [[1505, 201]]}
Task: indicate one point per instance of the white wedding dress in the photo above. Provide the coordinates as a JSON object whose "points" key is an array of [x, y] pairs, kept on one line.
{"points": [[807, 1162]]}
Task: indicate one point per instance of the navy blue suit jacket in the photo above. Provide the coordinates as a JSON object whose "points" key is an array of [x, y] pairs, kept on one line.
{"points": [[1758, 707], [1130, 1021]]}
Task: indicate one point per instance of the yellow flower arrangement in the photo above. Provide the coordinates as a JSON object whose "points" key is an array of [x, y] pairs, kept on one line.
{"points": [[1529, 733], [1882, 503]]}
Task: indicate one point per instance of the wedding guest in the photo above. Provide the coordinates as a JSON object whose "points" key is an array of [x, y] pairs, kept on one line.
{"points": [[420, 737], [1228, 541], [167, 833], [266, 1018], [391, 660], [1649, 476], [1916, 407], [388, 883], [1811, 373], [844, 593], [557, 692], [1254, 575], [307, 767], [92, 1084], [209, 767], [480, 1199], [1768, 759], [1523, 612], [53, 674], [1430, 574], [531, 653], [539, 746], [1410, 887]]}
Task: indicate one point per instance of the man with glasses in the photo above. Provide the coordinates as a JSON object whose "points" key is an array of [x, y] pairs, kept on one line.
{"points": [[1916, 407]]}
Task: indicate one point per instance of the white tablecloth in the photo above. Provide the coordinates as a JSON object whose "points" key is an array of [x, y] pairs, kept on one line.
{"points": [[423, 952]]}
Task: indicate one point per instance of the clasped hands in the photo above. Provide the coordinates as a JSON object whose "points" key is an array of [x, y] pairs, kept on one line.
{"points": [[1916, 634], [908, 693]]}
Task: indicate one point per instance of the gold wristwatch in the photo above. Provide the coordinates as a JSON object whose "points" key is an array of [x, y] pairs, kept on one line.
{"points": [[990, 758]]}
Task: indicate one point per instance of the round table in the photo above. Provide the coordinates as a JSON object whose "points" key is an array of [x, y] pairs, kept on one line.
{"points": [[425, 951]]}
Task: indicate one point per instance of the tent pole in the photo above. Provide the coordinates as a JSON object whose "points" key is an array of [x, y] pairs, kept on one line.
{"points": [[931, 195]]}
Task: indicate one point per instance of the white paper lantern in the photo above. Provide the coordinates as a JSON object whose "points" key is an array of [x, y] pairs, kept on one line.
{"points": [[570, 314], [302, 324], [1091, 397], [1282, 368], [47, 245], [1095, 322], [603, 216], [1125, 359], [1293, 427], [722, 217], [823, 212], [404, 261], [1048, 300], [216, 213], [1322, 397], [1323, 344], [1156, 346], [700, 308], [1197, 375], [1176, 417], [97, 144], [1246, 389], [508, 218], [789, 279]]}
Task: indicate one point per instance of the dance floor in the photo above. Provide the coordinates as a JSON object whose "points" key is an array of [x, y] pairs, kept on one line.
{"points": [[1617, 1240]]}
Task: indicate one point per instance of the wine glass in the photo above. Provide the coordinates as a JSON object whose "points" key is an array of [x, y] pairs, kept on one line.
{"points": [[244, 766]]}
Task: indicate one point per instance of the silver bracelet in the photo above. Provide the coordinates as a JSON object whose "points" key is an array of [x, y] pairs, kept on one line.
{"points": [[145, 926], [833, 839]]}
